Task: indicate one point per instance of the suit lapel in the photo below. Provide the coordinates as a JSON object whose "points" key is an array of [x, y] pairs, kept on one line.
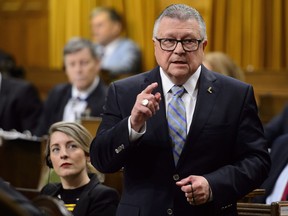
{"points": [[82, 207], [208, 90], [158, 123]]}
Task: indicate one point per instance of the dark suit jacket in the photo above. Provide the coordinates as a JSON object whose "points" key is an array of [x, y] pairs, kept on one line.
{"points": [[276, 132], [225, 144], [277, 126], [59, 97], [20, 105], [96, 199], [279, 160]]}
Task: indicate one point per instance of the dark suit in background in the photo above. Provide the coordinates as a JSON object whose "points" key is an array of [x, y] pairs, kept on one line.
{"points": [[20, 105], [58, 98], [277, 127], [276, 132]]}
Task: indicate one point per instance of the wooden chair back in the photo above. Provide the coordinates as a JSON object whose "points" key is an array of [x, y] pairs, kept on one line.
{"points": [[260, 209], [51, 206], [114, 180], [10, 207]]}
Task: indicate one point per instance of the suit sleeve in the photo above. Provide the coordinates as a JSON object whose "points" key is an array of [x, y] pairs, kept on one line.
{"points": [[111, 144]]}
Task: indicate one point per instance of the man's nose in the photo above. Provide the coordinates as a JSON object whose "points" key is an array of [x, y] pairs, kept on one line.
{"points": [[179, 48]]}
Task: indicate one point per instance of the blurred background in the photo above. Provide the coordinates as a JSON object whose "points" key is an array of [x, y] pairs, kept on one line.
{"points": [[253, 33]]}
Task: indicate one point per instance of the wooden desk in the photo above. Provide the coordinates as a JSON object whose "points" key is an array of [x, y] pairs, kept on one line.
{"points": [[259, 209], [91, 124], [115, 180], [21, 162]]}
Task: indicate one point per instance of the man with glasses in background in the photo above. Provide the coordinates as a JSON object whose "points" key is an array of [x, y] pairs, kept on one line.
{"points": [[189, 139]]}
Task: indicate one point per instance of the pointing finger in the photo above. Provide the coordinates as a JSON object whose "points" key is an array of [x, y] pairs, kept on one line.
{"points": [[150, 88]]}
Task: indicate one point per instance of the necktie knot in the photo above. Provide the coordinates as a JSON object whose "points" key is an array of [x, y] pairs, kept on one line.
{"points": [[80, 99], [178, 90]]}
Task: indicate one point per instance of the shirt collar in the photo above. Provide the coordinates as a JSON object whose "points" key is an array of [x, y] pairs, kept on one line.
{"points": [[190, 85], [84, 94]]}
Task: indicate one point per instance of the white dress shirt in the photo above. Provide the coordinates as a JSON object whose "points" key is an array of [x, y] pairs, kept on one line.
{"points": [[77, 104], [279, 187]]}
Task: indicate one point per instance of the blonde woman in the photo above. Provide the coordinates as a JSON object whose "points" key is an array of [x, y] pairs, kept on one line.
{"points": [[67, 152], [222, 63]]}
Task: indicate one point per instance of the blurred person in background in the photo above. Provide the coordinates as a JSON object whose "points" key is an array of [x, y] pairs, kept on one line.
{"points": [[20, 103], [85, 93], [276, 185], [119, 55], [222, 63]]}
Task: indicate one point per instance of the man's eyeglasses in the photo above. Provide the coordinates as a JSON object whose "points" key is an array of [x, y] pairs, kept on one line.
{"points": [[169, 44]]}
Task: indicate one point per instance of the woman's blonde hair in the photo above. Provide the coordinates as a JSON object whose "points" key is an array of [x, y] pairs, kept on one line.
{"points": [[222, 63], [78, 133]]}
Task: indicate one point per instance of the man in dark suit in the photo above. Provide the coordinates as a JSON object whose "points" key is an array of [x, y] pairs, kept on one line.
{"points": [[85, 93], [224, 154], [20, 104], [276, 132]]}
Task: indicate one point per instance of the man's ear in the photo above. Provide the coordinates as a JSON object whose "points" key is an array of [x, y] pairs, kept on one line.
{"points": [[205, 42]]}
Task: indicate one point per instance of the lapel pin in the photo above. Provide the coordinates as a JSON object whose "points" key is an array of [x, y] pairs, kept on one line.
{"points": [[210, 90]]}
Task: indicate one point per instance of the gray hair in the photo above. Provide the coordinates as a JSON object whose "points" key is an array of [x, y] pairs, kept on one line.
{"points": [[181, 12], [76, 44]]}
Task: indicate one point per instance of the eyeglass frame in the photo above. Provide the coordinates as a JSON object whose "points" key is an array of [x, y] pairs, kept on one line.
{"points": [[179, 41]]}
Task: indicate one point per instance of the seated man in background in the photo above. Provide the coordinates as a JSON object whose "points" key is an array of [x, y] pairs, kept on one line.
{"points": [[9, 67], [20, 104], [85, 93], [276, 185], [118, 55]]}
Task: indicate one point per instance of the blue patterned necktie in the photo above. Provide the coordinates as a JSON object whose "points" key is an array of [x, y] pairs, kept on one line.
{"points": [[176, 116]]}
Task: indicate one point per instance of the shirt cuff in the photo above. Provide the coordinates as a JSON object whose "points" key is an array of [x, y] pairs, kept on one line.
{"points": [[134, 135]]}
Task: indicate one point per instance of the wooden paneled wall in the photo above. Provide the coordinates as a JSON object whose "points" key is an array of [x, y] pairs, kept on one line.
{"points": [[24, 31], [271, 91]]}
